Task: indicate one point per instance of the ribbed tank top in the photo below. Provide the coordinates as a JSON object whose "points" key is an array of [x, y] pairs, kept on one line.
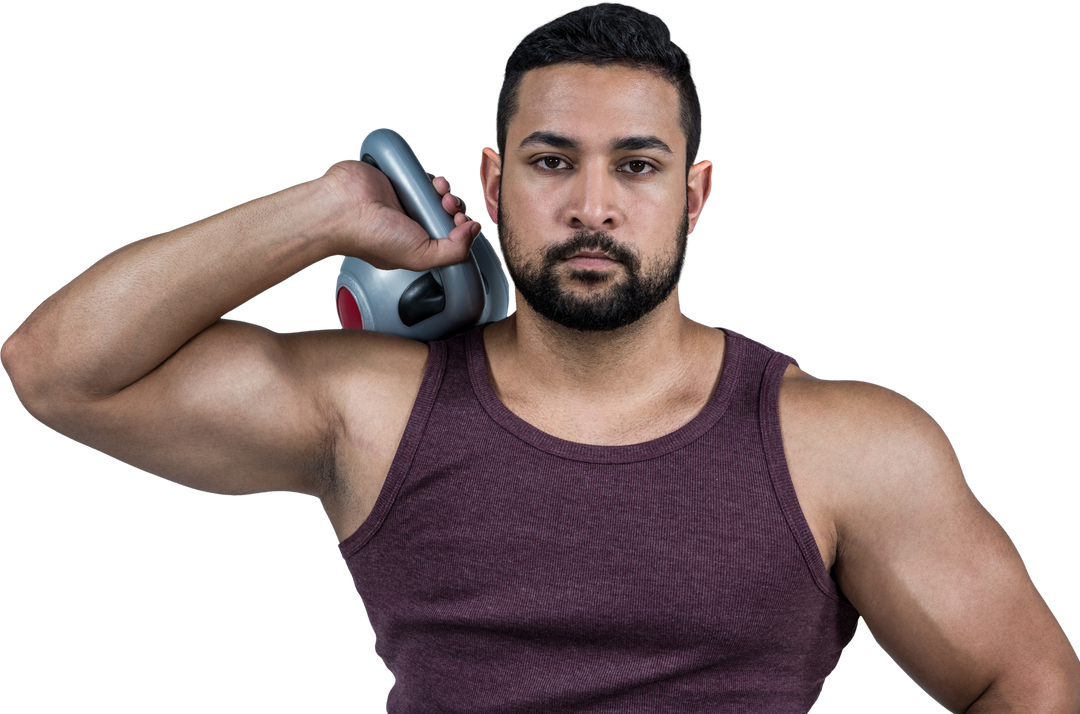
{"points": [[507, 570]]}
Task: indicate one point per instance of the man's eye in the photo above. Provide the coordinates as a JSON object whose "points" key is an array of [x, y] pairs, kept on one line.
{"points": [[638, 167], [553, 162]]}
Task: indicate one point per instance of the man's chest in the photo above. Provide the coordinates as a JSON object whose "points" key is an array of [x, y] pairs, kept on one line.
{"points": [[808, 462], [365, 459]]}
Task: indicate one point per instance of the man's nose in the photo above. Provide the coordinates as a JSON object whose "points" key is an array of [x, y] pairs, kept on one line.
{"points": [[593, 203]]}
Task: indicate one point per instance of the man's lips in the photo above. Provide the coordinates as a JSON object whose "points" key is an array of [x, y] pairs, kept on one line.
{"points": [[597, 255], [591, 260]]}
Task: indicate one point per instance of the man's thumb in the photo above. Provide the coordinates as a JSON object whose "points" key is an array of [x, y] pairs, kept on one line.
{"points": [[455, 247]]}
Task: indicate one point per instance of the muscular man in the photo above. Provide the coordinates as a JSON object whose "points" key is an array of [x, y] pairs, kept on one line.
{"points": [[595, 504]]}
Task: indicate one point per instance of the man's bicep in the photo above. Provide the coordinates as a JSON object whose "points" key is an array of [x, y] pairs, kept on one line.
{"points": [[235, 410], [937, 580]]}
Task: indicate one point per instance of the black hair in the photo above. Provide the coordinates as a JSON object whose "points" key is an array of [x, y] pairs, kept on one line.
{"points": [[599, 35]]}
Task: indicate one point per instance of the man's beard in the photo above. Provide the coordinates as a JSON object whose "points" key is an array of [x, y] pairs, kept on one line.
{"points": [[630, 298]]}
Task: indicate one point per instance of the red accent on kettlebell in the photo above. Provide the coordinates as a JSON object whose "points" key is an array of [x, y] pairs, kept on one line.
{"points": [[348, 311]]}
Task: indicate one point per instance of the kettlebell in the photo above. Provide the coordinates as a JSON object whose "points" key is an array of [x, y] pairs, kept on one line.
{"points": [[428, 305]]}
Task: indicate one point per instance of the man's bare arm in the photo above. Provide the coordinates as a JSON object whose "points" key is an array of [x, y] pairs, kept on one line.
{"points": [[934, 576], [131, 357]]}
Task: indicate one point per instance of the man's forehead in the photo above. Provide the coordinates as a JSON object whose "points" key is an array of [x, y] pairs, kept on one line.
{"points": [[588, 73], [587, 103]]}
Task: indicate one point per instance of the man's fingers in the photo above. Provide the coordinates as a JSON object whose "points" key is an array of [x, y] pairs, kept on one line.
{"points": [[441, 183], [450, 203], [452, 249], [465, 232]]}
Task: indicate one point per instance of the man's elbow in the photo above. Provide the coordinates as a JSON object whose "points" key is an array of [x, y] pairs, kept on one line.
{"points": [[26, 368]]}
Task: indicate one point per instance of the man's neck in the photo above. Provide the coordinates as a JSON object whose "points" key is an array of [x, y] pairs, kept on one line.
{"points": [[624, 386]]}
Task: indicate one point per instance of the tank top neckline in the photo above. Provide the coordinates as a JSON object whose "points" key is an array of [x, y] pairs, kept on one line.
{"points": [[476, 357]]}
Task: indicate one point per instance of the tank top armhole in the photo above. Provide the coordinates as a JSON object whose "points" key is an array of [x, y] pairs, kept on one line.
{"points": [[776, 461], [403, 458]]}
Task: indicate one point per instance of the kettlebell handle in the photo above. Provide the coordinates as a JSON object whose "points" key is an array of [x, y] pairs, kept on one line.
{"points": [[387, 151]]}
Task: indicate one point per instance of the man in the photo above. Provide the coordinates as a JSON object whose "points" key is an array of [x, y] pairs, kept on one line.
{"points": [[595, 188]]}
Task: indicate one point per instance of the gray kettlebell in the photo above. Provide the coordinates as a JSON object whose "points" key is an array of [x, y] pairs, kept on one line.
{"points": [[428, 305]]}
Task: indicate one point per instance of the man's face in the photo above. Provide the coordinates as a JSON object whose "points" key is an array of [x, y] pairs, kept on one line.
{"points": [[592, 195]]}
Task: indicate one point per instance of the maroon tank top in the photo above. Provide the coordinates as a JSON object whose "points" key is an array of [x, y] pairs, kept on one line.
{"points": [[506, 570]]}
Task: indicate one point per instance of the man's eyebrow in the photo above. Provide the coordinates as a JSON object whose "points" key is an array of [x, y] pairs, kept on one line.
{"points": [[626, 143]]}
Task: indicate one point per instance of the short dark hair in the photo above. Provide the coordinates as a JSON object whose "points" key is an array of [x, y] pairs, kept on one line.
{"points": [[604, 34]]}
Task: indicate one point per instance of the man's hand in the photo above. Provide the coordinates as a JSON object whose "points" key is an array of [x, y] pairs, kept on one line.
{"points": [[371, 225]]}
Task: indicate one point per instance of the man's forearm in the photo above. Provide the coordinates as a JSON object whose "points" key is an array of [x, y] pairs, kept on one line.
{"points": [[134, 308]]}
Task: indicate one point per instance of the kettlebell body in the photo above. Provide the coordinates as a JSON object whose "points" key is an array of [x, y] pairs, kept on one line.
{"points": [[427, 305]]}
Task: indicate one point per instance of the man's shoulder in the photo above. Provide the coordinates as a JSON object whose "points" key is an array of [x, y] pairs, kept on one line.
{"points": [[368, 380], [392, 356], [360, 357], [861, 455], [855, 408]]}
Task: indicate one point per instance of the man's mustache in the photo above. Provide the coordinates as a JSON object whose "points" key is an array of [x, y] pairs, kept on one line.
{"points": [[595, 240]]}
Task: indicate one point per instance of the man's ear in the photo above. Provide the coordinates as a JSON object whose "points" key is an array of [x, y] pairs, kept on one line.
{"points": [[698, 187], [490, 176]]}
